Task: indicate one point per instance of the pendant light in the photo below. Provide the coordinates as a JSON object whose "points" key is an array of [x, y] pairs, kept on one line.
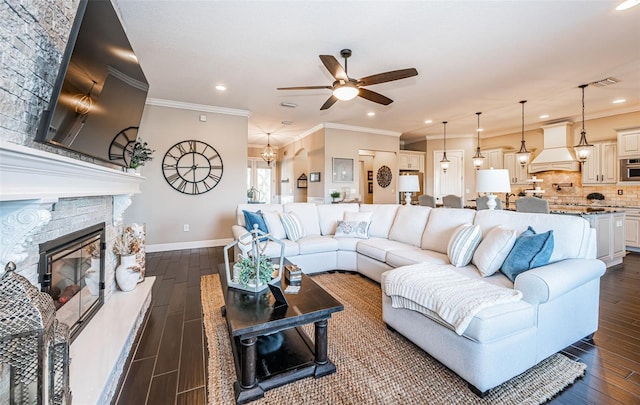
{"points": [[82, 103], [478, 158], [523, 154], [268, 154], [583, 148], [444, 163]]}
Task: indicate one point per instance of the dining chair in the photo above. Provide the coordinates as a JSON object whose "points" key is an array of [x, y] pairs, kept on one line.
{"points": [[532, 204], [427, 200], [452, 201]]}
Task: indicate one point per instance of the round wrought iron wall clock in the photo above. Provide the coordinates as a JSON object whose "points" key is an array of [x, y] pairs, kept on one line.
{"points": [[192, 167], [384, 176], [122, 144]]}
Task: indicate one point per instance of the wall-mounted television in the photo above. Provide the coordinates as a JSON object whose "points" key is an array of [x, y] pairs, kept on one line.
{"points": [[100, 91]]}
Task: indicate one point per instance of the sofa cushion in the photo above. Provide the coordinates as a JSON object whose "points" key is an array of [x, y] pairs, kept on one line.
{"points": [[530, 250], [442, 222], [307, 213], [347, 244], [409, 224], [273, 249], [398, 258], [317, 244], [274, 224], [573, 236], [251, 219], [377, 248], [463, 243], [330, 214], [493, 249], [292, 226], [382, 219], [500, 321]]}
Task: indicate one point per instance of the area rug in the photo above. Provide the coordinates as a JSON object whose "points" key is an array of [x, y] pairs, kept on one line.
{"points": [[383, 369]]}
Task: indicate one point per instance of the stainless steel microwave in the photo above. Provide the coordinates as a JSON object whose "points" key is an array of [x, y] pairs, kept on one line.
{"points": [[630, 169]]}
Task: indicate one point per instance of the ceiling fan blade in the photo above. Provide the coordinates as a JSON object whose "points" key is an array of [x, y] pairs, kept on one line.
{"points": [[334, 67], [330, 101], [375, 97], [387, 76], [305, 88]]}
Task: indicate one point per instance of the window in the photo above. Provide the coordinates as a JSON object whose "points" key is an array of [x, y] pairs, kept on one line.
{"points": [[259, 178]]}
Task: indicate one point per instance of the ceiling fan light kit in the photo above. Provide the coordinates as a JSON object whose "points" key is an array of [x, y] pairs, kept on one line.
{"points": [[345, 88]]}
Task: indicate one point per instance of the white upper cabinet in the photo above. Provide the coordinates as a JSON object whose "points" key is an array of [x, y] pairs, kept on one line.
{"points": [[492, 158], [517, 173], [629, 143], [602, 166], [411, 161]]}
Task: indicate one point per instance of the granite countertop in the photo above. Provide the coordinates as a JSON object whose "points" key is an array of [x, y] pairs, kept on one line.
{"points": [[585, 209]]}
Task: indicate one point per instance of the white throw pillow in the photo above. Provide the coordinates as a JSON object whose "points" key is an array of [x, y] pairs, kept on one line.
{"points": [[352, 229], [272, 219], [463, 242], [354, 222], [292, 226], [493, 249]]}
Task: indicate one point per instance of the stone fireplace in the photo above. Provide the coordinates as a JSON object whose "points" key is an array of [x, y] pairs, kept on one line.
{"points": [[46, 196]]}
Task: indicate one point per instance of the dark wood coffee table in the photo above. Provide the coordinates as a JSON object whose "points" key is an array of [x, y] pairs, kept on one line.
{"points": [[270, 348]]}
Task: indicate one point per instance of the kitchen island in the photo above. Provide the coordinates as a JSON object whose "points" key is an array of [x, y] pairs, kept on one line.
{"points": [[609, 223]]}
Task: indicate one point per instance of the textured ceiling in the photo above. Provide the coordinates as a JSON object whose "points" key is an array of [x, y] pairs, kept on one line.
{"points": [[471, 56]]}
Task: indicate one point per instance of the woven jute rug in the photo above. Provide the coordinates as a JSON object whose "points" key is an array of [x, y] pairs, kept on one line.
{"points": [[374, 364]]}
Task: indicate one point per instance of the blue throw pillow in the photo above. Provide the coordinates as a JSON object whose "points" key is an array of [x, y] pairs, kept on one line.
{"points": [[252, 218], [531, 250]]}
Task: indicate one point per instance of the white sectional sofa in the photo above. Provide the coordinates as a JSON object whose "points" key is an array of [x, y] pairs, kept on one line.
{"points": [[560, 299]]}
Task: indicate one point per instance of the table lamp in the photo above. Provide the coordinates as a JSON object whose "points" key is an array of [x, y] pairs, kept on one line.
{"points": [[408, 184], [492, 181]]}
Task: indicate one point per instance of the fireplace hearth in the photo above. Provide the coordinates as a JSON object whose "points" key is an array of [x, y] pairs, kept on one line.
{"points": [[71, 271]]}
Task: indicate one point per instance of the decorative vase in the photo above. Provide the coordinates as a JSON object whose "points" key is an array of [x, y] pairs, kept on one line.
{"points": [[126, 276], [92, 277], [140, 232]]}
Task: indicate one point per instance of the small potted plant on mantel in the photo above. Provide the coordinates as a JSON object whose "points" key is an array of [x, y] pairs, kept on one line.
{"points": [[335, 195], [139, 155]]}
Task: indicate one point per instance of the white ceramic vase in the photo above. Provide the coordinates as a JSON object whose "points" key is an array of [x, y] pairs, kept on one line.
{"points": [[127, 278], [92, 277]]}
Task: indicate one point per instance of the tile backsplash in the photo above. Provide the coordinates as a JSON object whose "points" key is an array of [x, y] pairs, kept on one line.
{"points": [[577, 193]]}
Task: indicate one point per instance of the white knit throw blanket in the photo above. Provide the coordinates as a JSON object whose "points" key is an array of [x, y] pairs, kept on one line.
{"points": [[453, 297]]}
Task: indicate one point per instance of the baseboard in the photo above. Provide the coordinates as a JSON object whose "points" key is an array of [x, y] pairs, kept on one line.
{"points": [[196, 244]]}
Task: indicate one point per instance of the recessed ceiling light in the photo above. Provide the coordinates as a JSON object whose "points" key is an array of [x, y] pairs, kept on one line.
{"points": [[480, 129], [371, 114], [428, 122], [221, 87], [287, 122], [627, 4], [543, 116], [619, 101]]}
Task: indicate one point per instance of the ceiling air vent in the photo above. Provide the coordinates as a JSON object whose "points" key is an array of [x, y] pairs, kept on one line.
{"points": [[604, 82]]}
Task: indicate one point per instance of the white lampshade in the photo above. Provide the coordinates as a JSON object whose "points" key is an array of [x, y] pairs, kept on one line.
{"points": [[408, 183], [493, 181]]}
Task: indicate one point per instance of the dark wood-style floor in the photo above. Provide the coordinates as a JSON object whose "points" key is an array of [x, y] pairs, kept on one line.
{"points": [[169, 362]]}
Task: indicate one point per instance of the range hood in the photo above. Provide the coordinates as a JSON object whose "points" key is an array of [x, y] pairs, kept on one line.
{"points": [[556, 155]]}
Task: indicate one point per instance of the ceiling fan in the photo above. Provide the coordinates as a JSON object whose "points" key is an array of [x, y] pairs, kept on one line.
{"points": [[346, 88]]}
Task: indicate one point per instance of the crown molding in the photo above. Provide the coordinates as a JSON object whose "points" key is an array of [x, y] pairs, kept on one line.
{"points": [[158, 102]]}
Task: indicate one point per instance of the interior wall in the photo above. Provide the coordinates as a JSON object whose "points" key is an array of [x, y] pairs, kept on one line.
{"points": [[300, 167], [342, 143], [367, 165], [313, 144], [166, 210]]}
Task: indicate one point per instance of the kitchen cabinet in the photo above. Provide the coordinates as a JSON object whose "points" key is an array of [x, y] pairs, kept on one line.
{"points": [[517, 173], [610, 236], [492, 158], [629, 143], [602, 166], [411, 161], [632, 229]]}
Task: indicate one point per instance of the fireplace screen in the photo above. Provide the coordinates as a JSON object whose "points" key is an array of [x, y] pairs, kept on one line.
{"points": [[72, 273]]}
